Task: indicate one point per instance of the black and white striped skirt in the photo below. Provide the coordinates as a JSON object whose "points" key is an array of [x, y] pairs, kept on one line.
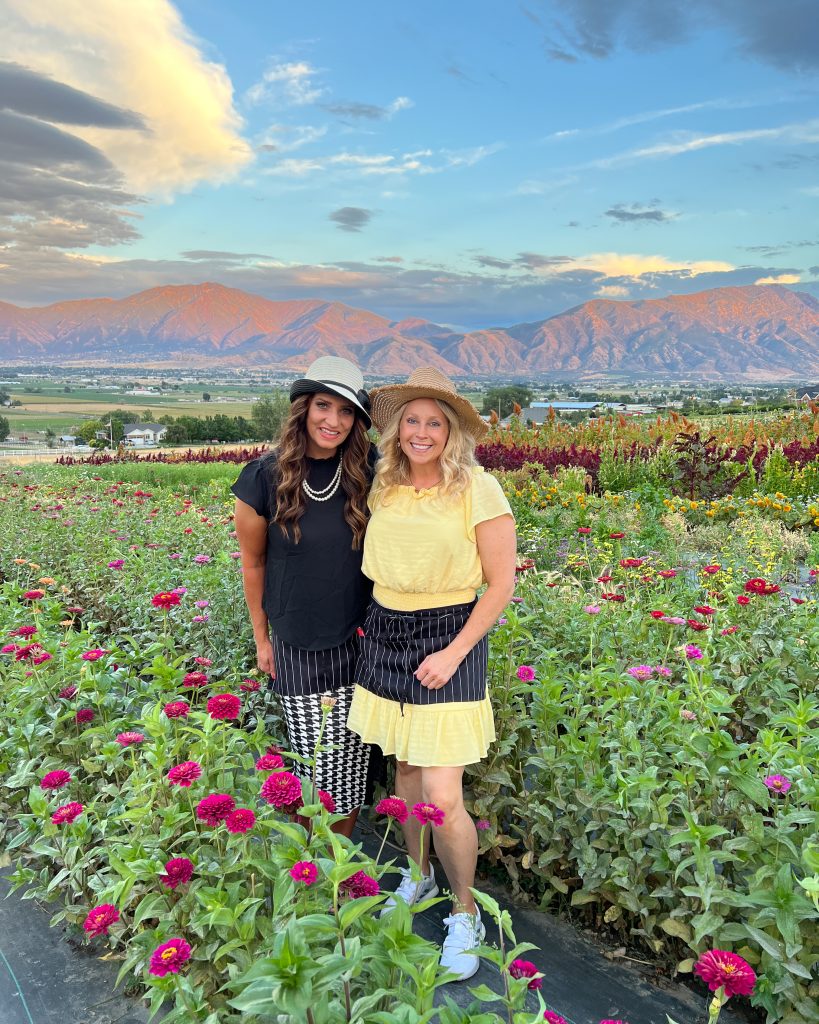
{"points": [[342, 770]]}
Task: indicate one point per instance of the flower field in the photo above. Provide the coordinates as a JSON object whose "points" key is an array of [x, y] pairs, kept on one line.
{"points": [[655, 775]]}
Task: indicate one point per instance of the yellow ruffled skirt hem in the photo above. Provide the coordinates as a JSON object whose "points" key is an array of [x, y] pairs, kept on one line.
{"points": [[424, 735]]}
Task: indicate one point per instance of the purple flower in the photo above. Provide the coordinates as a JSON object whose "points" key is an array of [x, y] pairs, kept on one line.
{"points": [[777, 783], [641, 671], [201, 604], [592, 609], [525, 673], [201, 559], [692, 652], [673, 620]]}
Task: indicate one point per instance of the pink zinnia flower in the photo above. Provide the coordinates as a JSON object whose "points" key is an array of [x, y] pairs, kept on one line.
{"points": [[199, 660], [720, 969], [193, 679], [282, 790], [553, 1018], [24, 631], [117, 563], [241, 820], [641, 672], [68, 692], [34, 595], [393, 807], [45, 656], [692, 653], [215, 808], [269, 763], [525, 673], [67, 813], [777, 783], [326, 801], [177, 709], [526, 969], [201, 559], [661, 670], [184, 774], [482, 824], [94, 655], [428, 814], [84, 715], [177, 872], [304, 871], [165, 600], [224, 706], [674, 620], [592, 609], [250, 685], [667, 574], [100, 919], [56, 779], [687, 716], [361, 884], [169, 957], [127, 739]]}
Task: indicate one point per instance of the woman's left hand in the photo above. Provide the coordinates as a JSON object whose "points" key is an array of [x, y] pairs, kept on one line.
{"points": [[437, 669]]}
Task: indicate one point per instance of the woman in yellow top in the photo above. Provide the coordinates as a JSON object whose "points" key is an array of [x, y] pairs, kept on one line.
{"points": [[440, 528]]}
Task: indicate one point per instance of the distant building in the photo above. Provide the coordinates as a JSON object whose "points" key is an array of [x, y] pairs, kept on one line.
{"points": [[68, 440], [141, 434]]}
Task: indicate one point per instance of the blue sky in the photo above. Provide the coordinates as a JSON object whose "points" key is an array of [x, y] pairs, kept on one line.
{"points": [[474, 164]]}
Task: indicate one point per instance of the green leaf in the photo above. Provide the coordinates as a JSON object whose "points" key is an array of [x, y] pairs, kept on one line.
{"points": [[151, 906]]}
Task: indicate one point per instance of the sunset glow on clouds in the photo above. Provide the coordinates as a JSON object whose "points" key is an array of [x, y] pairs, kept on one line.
{"points": [[478, 166]]}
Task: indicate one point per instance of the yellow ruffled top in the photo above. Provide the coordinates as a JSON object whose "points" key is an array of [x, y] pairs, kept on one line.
{"points": [[420, 549]]}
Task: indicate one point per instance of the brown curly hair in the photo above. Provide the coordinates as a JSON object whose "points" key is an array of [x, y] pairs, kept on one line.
{"points": [[288, 495]]}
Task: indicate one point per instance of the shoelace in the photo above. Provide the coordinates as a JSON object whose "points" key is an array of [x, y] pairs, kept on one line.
{"points": [[464, 932]]}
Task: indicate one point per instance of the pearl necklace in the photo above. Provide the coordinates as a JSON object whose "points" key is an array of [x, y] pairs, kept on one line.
{"points": [[326, 492]]}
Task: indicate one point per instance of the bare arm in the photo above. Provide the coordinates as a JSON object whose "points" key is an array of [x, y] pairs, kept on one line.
{"points": [[251, 532], [497, 550]]}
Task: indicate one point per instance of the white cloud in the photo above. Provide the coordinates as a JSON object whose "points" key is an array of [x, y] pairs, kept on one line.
{"points": [[399, 103], [140, 57], [291, 83], [779, 279], [613, 291], [424, 161], [636, 265], [284, 138]]}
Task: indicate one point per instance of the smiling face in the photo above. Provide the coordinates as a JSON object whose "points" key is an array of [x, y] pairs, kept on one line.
{"points": [[423, 432], [328, 424]]}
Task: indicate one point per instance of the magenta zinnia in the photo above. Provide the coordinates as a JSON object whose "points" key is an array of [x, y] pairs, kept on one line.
{"points": [[169, 957], [720, 969], [56, 779], [100, 919], [177, 709], [282, 790], [777, 783], [215, 808], [269, 763], [177, 872], [428, 814], [326, 801], [193, 679], [304, 871], [128, 739], [67, 813], [526, 969], [525, 673], [84, 715], [94, 655], [241, 820], [553, 1018], [224, 705], [393, 807], [184, 774]]}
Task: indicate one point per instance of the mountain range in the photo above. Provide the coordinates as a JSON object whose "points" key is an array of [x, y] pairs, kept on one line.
{"points": [[754, 333]]}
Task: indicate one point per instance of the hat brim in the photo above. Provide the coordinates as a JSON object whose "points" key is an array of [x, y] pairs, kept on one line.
{"points": [[386, 401], [305, 386]]}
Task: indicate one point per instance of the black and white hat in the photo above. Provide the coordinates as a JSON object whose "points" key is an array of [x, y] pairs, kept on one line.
{"points": [[337, 376]]}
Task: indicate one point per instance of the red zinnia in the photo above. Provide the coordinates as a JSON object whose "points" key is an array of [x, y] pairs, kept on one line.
{"points": [[177, 872], [282, 790], [84, 715], [612, 597], [24, 631], [704, 609], [617, 535], [759, 586], [224, 706], [667, 574], [393, 807], [169, 957], [657, 614], [269, 763], [184, 774], [361, 884], [195, 679], [584, 530], [34, 595], [743, 599], [165, 599], [625, 563], [711, 570], [56, 779], [250, 685], [720, 969], [100, 919], [68, 692], [240, 821], [214, 809], [428, 814], [67, 813], [304, 871], [526, 969], [177, 709], [695, 624]]}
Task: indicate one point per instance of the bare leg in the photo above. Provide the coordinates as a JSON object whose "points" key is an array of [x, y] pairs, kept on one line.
{"points": [[456, 841], [408, 787]]}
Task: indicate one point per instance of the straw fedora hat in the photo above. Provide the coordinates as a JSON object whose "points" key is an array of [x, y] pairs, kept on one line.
{"points": [[425, 382]]}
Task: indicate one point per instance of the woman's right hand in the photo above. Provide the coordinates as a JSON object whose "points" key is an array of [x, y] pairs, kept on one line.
{"points": [[264, 657]]}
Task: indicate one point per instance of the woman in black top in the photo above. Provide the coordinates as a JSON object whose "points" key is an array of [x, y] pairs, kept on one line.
{"points": [[301, 514]]}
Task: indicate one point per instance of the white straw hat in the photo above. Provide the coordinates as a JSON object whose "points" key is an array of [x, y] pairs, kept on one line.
{"points": [[337, 376], [425, 382]]}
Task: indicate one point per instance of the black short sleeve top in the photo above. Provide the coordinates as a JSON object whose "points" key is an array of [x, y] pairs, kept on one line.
{"points": [[315, 594]]}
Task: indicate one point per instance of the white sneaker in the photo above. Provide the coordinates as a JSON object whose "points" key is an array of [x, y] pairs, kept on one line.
{"points": [[411, 891], [464, 932]]}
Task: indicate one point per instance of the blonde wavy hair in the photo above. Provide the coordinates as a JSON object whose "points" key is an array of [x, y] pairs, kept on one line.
{"points": [[457, 459]]}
